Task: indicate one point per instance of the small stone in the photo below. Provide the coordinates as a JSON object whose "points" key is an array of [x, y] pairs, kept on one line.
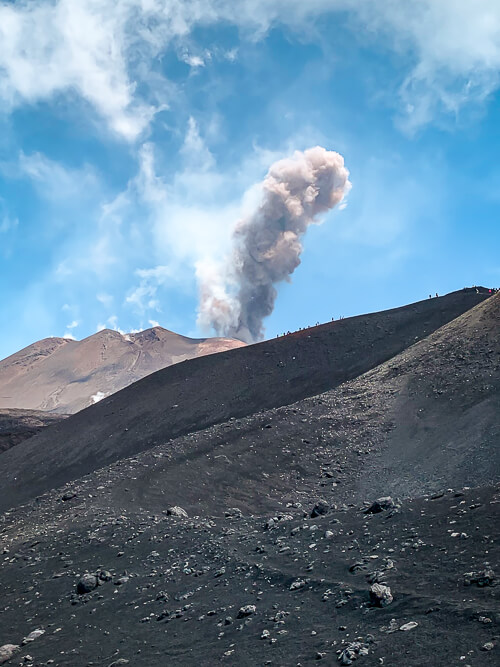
{"points": [[299, 583], [233, 513], [392, 627], [409, 626], [246, 610], [380, 595], [329, 535], [482, 578], [69, 495], [489, 646], [120, 661], [265, 634], [177, 512], [320, 508], [32, 636], [86, 584]]}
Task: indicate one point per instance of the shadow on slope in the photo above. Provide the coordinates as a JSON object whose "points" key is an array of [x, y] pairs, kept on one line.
{"points": [[195, 394], [19, 425]]}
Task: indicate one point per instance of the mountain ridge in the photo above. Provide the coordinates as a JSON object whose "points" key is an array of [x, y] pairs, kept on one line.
{"points": [[64, 376]]}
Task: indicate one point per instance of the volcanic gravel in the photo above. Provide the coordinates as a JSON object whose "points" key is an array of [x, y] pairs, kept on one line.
{"points": [[358, 524]]}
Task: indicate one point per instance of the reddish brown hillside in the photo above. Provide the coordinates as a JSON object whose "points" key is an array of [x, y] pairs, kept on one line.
{"points": [[59, 375]]}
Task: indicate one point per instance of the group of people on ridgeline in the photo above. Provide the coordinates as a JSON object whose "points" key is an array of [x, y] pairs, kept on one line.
{"points": [[492, 290], [287, 333]]}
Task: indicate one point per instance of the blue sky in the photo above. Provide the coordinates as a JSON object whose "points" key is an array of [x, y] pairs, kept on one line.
{"points": [[132, 137]]}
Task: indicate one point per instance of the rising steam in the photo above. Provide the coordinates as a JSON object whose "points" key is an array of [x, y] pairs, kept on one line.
{"points": [[236, 296]]}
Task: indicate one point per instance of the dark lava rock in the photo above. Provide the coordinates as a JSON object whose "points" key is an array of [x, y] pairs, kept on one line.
{"points": [[233, 513], [177, 512], [247, 610], [320, 508], [380, 595], [381, 504], [484, 577], [86, 584], [68, 495], [352, 652]]}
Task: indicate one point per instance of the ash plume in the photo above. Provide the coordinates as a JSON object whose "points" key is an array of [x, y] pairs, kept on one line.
{"points": [[237, 295]]}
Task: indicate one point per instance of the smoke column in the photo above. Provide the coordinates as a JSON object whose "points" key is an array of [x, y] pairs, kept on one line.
{"points": [[236, 296]]}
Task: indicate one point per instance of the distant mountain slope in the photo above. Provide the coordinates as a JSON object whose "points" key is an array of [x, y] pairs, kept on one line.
{"points": [[188, 397], [60, 375]]}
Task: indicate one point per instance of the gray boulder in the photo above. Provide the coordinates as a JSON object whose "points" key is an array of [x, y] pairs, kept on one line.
{"points": [[380, 595], [7, 651], [86, 584], [320, 508], [381, 504]]}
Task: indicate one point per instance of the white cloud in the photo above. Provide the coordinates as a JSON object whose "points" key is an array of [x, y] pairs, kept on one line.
{"points": [[113, 322], [192, 60], [73, 324], [101, 49], [69, 336], [71, 45], [143, 298], [53, 181], [154, 323], [453, 47]]}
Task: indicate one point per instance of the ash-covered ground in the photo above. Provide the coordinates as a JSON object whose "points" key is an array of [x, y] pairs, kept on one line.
{"points": [[256, 539]]}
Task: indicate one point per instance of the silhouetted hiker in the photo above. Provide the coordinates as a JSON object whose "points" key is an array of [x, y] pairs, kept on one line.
{"points": [[430, 296], [437, 294]]}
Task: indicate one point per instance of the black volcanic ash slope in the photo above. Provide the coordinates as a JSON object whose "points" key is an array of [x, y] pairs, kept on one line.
{"points": [[250, 577], [427, 420], [195, 394]]}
